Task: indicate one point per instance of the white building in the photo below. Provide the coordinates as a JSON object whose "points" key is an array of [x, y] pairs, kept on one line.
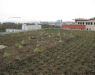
{"points": [[90, 23], [30, 27], [26, 27]]}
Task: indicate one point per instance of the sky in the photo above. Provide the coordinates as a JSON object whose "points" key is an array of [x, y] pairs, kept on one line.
{"points": [[46, 10]]}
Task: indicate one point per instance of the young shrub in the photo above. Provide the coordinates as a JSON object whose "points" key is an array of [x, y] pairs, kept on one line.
{"points": [[39, 49], [18, 45]]}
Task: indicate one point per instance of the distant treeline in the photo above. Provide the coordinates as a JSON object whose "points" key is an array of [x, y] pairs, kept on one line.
{"points": [[9, 25]]}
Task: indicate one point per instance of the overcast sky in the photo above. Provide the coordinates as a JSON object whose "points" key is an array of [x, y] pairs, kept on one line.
{"points": [[47, 10]]}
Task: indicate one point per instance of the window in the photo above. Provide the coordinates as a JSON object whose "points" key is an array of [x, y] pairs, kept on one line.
{"points": [[91, 23], [86, 23], [78, 23]]}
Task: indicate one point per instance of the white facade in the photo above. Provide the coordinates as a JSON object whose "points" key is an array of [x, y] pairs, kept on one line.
{"points": [[86, 22], [26, 27], [90, 24]]}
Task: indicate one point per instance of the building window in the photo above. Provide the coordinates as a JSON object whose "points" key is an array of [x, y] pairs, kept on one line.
{"points": [[86, 23], [78, 23], [91, 23]]}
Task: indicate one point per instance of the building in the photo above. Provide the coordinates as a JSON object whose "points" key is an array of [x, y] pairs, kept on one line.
{"points": [[74, 26], [25, 27], [29, 27], [89, 23], [81, 24]]}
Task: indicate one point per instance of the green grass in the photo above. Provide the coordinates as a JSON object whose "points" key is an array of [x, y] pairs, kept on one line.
{"points": [[42, 53]]}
